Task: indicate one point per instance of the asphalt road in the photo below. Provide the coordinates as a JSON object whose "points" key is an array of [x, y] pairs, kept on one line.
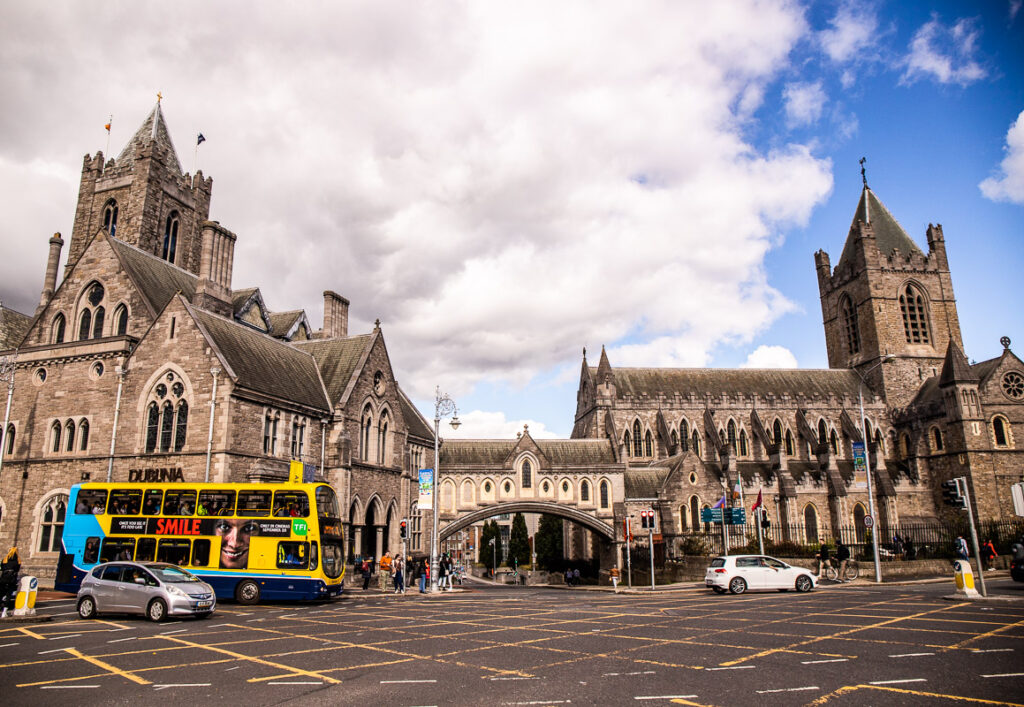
{"points": [[530, 646]]}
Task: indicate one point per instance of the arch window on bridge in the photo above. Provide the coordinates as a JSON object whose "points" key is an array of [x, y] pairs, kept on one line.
{"points": [[526, 474], [585, 491], [604, 494], [487, 493], [566, 490], [546, 488], [467, 491], [507, 487]]}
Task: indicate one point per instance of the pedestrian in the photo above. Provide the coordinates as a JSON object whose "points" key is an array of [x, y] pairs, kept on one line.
{"points": [[398, 569], [823, 559], [614, 572], [9, 570], [568, 577], [909, 551], [442, 572], [576, 577], [384, 571], [960, 546], [989, 554], [843, 557], [897, 543], [367, 570]]}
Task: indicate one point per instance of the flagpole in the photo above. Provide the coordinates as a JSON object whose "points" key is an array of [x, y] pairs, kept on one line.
{"points": [[725, 530], [106, 152]]}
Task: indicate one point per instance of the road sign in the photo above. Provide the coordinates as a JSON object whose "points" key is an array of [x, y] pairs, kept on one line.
{"points": [[711, 515], [736, 516], [868, 521]]}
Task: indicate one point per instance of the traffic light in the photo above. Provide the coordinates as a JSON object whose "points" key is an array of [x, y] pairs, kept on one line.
{"points": [[765, 520], [647, 520], [643, 519], [951, 494], [403, 529]]}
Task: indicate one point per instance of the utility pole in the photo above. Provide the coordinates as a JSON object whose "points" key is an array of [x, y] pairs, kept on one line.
{"points": [[961, 481], [629, 562], [650, 543]]}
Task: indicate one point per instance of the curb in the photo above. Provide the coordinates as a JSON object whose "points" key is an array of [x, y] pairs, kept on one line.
{"points": [[36, 619]]}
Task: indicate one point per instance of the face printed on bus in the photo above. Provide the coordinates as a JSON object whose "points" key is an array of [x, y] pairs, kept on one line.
{"points": [[234, 544]]}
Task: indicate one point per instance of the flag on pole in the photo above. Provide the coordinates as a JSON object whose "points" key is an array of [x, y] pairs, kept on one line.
{"points": [[110, 121], [758, 502], [721, 502], [200, 139], [736, 493]]}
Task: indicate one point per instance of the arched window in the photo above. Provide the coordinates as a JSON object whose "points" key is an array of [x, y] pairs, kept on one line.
{"points": [[382, 438], [811, 523], [585, 491], [51, 523], [694, 512], [937, 439], [57, 329], [858, 523], [850, 326], [833, 440], [85, 325], [120, 320], [695, 440], [55, 435], [743, 443], [789, 443], [604, 494], [152, 427], [364, 437], [170, 237], [915, 315], [638, 440], [684, 435], [110, 217], [97, 322], [648, 444], [822, 433], [8, 441], [69, 436], [904, 446], [731, 427], [627, 443], [684, 511], [83, 435], [166, 426], [167, 416], [777, 433], [467, 491], [526, 473], [879, 443], [1000, 433], [181, 426], [675, 439]]}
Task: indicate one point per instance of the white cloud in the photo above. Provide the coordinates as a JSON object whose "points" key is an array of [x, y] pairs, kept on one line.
{"points": [[480, 424], [944, 54], [1009, 185], [804, 102], [770, 357], [499, 183], [853, 30]]}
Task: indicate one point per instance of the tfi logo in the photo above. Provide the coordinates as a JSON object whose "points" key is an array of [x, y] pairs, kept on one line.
{"points": [[299, 527]]}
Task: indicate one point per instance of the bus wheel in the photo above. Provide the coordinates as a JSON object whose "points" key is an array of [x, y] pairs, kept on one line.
{"points": [[247, 592], [157, 610]]}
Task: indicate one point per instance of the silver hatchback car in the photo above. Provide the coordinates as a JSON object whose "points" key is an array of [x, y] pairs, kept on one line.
{"points": [[155, 589]]}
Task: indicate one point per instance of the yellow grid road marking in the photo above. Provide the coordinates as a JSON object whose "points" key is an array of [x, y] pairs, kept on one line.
{"points": [[253, 659], [107, 666], [917, 693]]}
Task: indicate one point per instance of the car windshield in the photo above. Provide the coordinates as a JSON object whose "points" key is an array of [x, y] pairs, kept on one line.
{"points": [[176, 575]]}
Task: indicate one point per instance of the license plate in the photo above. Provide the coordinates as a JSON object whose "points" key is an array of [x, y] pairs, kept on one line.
{"points": [[203, 604]]}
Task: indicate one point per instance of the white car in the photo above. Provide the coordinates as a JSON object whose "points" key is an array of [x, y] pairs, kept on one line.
{"points": [[738, 573]]}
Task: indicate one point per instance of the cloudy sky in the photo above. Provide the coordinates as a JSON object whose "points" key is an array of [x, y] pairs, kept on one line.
{"points": [[504, 184]]}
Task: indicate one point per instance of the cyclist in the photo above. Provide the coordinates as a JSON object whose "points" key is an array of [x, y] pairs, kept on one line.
{"points": [[823, 559], [843, 556]]}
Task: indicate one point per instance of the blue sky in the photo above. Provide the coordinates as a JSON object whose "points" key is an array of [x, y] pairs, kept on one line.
{"points": [[504, 184]]}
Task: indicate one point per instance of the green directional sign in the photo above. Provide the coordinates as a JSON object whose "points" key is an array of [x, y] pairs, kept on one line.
{"points": [[736, 516], [711, 515]]}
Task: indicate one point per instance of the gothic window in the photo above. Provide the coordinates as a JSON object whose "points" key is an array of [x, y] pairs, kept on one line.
{"points": [[626, 443], [527, 475], [166, 426], [270, 420], [152, 427], [467, 492], [732, 435], [120, 320], [811, 523], [83, 435], [97, 322], [8, 441], [1000, 431], [51, 523], [695, 439], [59, 325], [915, 316], [822, 433], [684, 435], [604, 494], [937, 439], [675, 439], [55, 430], [904, 446], [850, 327], [69, 436], [181, 426], [85, 325], [382, 438], [743, 443], [298, 437], [789, 443], [110, 217], [648, 444], [167, 416], [96, 293], [170, 237], [833, 440], [585, 491], [777, 432], [683, 513], [1013, 385], [638, 440], [695, 512], [879, 446]]}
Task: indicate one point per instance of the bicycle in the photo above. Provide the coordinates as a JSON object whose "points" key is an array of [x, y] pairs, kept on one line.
{"points": [[852, 571]]}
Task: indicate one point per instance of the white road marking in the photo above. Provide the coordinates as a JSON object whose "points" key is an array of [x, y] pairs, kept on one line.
{"points": [[541, 702], [65, 613], [122, 640], [55, 650], [58, 638], [734, 667], [168, 633], [909, 655], [234, 668], [1004, 675], [992, 650], [399, 682], [830, 660], [66, 687], [295, 683], [789, 689], [897, 682], [664, 697], [181, 684], [9, 644]]}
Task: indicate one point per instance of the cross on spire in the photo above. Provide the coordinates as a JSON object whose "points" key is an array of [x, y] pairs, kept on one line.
{"points": [[863, 174]]}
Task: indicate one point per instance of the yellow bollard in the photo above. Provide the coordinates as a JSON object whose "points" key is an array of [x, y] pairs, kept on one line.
{"points": [[25, 600], [963, 576]]}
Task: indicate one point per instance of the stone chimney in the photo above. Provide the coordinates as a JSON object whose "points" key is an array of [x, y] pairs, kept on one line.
{"points": [[335, 316], [50, 283], [213, 291]]}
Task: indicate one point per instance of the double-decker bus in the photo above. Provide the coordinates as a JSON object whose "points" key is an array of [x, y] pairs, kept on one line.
{"points": [[248, 541]]}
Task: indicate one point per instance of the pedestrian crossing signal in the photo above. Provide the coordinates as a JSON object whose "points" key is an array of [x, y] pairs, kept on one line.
{"points": [[403, 529]]}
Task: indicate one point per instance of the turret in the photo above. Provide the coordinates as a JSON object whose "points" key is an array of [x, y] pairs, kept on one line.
{"points": [[52, 263]]}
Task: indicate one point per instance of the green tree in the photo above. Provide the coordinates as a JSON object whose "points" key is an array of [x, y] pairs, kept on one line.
{"points": [[519, 541], [487, 553], [548, 543]]}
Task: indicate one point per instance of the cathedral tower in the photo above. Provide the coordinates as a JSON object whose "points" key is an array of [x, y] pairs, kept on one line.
{"points": [[144, 199], [886, 297]]}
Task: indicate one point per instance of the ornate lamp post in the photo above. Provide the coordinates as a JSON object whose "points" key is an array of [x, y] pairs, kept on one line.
{"points": [[867, 462], [6, 374], [443, 407]]}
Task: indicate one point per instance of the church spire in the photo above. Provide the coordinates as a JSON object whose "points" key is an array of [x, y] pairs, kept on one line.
{"points": [[889, 234], [955, 368], [153, 131]]}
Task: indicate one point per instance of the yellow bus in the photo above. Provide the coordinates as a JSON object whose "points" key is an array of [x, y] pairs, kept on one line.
{"points": [[248, 541]]}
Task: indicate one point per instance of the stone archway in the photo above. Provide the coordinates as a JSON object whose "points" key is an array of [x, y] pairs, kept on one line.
{"points": [[541, 507]]}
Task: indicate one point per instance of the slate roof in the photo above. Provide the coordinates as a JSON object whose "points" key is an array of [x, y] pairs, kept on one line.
{"points": [[337, 360], [494, 452], [158, 280], [929, 390], [644, 483], [282, 322], [153, 129], [736, 381], [414, 419], [13, 327], [264, 364], [889, 235], [955, 368], [239, 298]]}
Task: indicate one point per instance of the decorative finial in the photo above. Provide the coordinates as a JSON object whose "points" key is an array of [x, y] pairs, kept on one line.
{"points": [[584, 352], [1005, 341], [525, 427], [863, 174], [159, 96], [376, 324]]}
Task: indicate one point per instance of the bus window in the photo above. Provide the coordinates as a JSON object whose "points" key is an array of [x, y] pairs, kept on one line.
{"points": [[332, 560], [173, 551], [92, 551], [253, 503], [153, 502], [292, 555], [91, 501], [216, 503], [313, 560], [179, 503], [145, 550], [124, 502], [327, 503], [201, 553], [117, 549], [294, 504]]}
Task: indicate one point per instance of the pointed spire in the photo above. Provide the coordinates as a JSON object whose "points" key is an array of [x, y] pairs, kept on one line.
{"points": [[152, 130], [956, 369], [889, 234], [604, 369]]}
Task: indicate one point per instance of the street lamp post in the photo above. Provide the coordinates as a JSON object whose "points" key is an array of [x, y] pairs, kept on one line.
{"points": [[443, 407], [867, 463], [6, 373]]}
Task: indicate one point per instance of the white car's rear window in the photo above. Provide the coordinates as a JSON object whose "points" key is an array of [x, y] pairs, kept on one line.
{"points": [[718, 562]]}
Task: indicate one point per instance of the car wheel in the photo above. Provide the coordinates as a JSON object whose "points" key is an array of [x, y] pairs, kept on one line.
{"points": [[247, 592], [804, 583], [87, 608], [737, 585], [157, 610]]}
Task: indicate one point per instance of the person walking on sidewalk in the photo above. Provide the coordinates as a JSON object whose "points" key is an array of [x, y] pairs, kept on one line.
{"points": [[843, 557], [398, 569], [989, 554], [384, 571], [367, 571], [823, 559], [960, 546]]}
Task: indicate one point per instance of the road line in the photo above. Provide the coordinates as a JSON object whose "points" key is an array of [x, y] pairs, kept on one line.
{"points": [[992, 650], [789, 689], [7, 645], [121, 640], [897, 682], [234, 668], [252, 659], [909, 655], [59, 638], [515, 678], [830, 660], [66, 687], [1004, 675], [398, 682], [733, 667], [541, 702], [65, 613], [107, 666], [664, 697], [182, 684], [295, 683], [168, 633], [55, 650]]}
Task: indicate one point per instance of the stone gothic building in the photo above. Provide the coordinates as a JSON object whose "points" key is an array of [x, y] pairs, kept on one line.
{"points": [[144, 357]]}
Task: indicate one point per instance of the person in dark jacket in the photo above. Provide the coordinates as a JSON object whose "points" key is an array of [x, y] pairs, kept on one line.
{"points": [[843, 557], [9, 570], [823, 559], [367, 571]]}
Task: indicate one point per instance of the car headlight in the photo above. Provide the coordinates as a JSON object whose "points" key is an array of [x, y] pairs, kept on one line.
{"points": [[171, 589]]}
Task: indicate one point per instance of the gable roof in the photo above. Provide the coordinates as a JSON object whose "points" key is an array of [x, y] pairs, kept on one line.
{"points": [[735, 381], [337, 360], [415, 422], [264, 364], [152, 130], [955, 368], [889, 234], [240, 298], [281, 323], [13, 327], [156, 279], [644, 483], [494, 452]]}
